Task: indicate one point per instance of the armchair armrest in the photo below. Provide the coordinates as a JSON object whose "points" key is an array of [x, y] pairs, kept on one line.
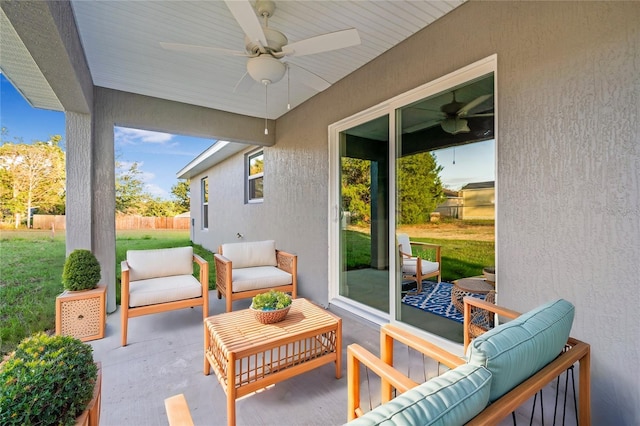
{"points": [[429, 246], [204, 271], [478, 303], [286, 261], [124, 284]]}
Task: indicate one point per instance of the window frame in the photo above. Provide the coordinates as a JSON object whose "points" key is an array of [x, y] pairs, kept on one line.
{"points": [[250, 197], [204, 203]]}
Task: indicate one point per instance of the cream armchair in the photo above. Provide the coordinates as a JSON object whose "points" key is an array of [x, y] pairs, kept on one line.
{"points": [[246, 269], [161, 280], [416, 267]]}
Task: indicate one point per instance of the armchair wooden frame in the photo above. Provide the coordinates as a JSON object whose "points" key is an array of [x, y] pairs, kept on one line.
{"points": [[577, 351], [224, 278], [419, 277], [128, 312]]}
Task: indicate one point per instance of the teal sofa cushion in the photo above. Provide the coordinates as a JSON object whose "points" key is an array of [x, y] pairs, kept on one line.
{"points": [[450, 399], [516, 350]]}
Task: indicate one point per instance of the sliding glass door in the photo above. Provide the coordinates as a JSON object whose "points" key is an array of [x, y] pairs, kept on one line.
{"points": [[364, 214]]}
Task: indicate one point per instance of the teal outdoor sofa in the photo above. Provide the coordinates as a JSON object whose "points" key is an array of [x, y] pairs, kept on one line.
{"points": [[502, 368]]}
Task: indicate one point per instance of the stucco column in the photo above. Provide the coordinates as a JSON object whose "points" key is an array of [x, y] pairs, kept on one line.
{"points": [[79, 199]]}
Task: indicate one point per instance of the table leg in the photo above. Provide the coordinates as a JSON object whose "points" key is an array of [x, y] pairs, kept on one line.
{"points": [[231, 390], [207, 341]]}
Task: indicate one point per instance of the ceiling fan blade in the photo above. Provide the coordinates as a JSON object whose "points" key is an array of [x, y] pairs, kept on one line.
{"points": [[323, 43], [243, 12], [192, 48], [473, 104], [487, 114], [308, 78], [244, 84]]}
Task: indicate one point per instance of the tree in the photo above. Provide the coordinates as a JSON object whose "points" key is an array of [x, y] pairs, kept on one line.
{"points": [[32, 175], [356, 189], [419, 187], [181, 196], [130, 193]]}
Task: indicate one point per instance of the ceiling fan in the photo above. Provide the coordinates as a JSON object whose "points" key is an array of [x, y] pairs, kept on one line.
{"points": [[267, 48], [456, 113]]}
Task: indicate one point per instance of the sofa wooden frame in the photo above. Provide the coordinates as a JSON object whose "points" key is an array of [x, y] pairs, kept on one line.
{"points": [[577, 351], [224, 278], [128, 312]]}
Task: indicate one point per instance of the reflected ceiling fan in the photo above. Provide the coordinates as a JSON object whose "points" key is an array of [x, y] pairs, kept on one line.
{"points": [[267, 49], [456, 113]]}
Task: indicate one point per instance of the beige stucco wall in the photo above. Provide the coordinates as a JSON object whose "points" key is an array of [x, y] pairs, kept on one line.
{"points": [[568, 141]]}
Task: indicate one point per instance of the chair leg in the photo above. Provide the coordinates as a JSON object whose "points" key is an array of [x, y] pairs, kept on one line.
{"points": [[124, 319]]}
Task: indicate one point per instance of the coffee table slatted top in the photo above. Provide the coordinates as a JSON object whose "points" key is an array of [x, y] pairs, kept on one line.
{"points": [[239, 331]]}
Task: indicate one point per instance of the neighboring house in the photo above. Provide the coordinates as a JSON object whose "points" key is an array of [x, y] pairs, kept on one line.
{"points": [[478, 201], [452, 205], [567, 140]]}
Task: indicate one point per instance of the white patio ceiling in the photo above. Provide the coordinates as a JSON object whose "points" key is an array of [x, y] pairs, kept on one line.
{"points": [[122, 39]]}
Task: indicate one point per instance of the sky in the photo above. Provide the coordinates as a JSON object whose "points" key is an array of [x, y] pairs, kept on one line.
{"points": [[159, 155]]}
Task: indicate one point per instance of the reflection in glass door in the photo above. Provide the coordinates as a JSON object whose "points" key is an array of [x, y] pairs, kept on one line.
{"points": [[432, 194], [364, 214]]}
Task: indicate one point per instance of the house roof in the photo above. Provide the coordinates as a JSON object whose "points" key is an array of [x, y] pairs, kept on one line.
{"points": [[479, 185]]}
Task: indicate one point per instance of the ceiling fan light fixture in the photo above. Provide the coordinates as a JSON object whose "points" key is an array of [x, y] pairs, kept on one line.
{"points": [[455, 125], [266, 68]]}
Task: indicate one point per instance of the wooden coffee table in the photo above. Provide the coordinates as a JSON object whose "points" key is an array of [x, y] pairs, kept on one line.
{"points": [[464, 286], [247, 356]]}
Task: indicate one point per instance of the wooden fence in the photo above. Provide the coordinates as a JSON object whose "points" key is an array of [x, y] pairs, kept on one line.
{"points": [[42, 221]]}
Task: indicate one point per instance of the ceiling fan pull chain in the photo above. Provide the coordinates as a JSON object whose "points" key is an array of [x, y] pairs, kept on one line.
{"points": [[288, 89], [266, 94]]}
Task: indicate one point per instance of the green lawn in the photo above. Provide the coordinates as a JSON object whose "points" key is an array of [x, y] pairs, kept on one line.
{"points": [[460, 258], [31, 265]]}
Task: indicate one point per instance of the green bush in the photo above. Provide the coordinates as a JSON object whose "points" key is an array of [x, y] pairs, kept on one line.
{"points": [[81, 271], [270, 301], [48, 380]]}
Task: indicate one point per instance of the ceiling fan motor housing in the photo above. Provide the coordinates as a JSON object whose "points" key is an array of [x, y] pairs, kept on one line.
{"points": [[275, 41]]}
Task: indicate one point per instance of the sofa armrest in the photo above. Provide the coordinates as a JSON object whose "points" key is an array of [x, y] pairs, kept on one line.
{"points": [[357, 355]]}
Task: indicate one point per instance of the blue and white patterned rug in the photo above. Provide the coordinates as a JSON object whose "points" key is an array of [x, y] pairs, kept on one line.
{"points": [[435, 298]]}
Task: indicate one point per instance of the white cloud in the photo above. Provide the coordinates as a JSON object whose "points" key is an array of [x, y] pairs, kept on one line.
{"points": [[156, 191], [127, 136]]}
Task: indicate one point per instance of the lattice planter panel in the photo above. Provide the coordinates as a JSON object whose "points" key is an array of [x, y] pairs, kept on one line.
{"points": [[82, 314]]}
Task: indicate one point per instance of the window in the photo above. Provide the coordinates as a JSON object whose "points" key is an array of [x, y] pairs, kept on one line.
{"points": [[204, 186], [255, 175]]}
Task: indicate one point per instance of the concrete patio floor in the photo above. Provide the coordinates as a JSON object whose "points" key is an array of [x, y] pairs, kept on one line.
{"points": [[164, 357]]}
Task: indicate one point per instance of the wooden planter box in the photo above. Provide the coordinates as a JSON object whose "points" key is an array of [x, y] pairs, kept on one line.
{"points": [[91, 415], [82, 314]]}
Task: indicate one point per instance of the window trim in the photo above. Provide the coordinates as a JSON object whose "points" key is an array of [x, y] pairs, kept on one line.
{"points": [[204, 203], [249, 177]]}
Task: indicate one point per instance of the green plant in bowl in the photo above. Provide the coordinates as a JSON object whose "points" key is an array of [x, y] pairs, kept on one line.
{"points": [[81, 271], [47, 380], [271, 301]]}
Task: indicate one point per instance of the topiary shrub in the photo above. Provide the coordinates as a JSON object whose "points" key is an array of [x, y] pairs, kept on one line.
{"points": [[81, 271], [48, 380]]}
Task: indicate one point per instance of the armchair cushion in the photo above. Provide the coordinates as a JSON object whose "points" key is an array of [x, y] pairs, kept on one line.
{"points": [[146, 264], [250, 254], [452, 398], [516, 350], [154, 291], [409, 266], [259, 277]]}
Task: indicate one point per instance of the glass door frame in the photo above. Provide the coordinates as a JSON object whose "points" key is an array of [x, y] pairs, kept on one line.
{"points": [[480, 68]]}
